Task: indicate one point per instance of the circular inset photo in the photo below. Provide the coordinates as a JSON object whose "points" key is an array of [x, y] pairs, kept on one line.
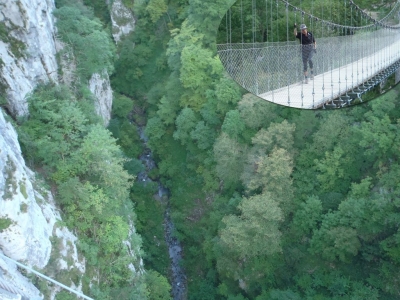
{"points": [[324, 54]]}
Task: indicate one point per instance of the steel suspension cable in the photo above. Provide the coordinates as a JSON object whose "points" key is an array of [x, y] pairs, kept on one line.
{"points": [[241, 20], [79, 294], [302, 87], [331, 56], [312, 70], [241, 24], [352, 52], [272, 40], [345, 44], [287, 53], [355, 28], [323, 60], [254, 56]]}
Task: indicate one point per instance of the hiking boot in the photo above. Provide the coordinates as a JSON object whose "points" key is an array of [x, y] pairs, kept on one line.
{"points": [[306, 80]]}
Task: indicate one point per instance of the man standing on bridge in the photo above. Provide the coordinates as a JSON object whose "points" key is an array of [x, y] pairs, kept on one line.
{"points": [[308, 48]]}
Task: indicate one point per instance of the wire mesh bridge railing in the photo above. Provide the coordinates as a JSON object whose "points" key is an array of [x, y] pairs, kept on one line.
{"points": [[342, 63]]}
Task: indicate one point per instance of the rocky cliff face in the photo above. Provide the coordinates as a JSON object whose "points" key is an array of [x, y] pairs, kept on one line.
{"points": [[13, 285], [27, 58], [99, 85], [28, 216], [123, 21], [30, 225], [20, 237], [29, 219], [27, 49]]}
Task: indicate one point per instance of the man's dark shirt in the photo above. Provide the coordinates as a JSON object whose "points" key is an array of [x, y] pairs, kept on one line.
{"points": [[306, 39]]}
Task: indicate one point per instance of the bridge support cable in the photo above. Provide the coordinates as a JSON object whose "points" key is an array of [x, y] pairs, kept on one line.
{"points": [[79, 294]]}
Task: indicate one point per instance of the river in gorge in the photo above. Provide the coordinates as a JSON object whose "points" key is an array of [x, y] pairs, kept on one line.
{"points": [[177, 277]]}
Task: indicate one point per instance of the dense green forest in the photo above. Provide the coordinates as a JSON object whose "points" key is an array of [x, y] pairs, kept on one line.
{"points": [[269, 202]]}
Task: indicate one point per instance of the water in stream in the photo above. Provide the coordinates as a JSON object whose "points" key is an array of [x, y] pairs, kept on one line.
{"points": [[177, 276]]}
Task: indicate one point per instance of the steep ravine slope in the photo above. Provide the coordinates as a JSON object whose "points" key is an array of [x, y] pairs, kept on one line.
{"points": [[29, 219], [27, 49]]}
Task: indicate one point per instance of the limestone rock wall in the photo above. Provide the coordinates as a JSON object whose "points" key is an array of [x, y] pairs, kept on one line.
{"points": [[28, 214], [30, 230], [27, 49], [27, 237], [100, 86], [123, 21], [13, 285]]}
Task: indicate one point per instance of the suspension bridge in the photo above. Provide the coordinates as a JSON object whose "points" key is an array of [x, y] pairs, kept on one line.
{"points": [[350, 58]]}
